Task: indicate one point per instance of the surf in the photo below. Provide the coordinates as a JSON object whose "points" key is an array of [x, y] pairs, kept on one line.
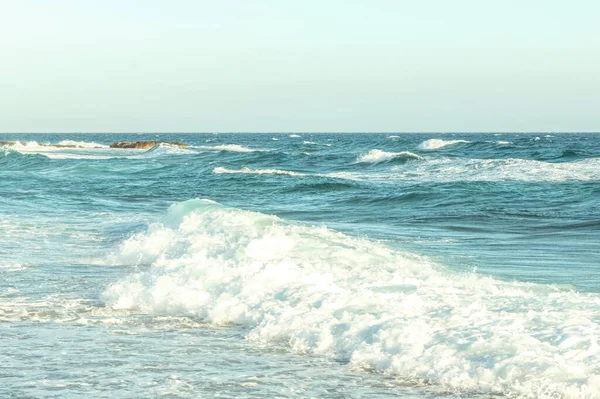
{"points": [[311, 290]]}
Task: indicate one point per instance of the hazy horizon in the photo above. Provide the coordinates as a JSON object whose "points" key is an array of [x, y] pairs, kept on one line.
{"points": [[312, 67]]}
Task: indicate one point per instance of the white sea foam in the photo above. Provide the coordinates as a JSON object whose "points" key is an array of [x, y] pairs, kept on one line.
{"points": [[34, 145], [456, 169], [227, 147], [393, 137], [309, 142], [12, 267], [28, 146], [315, 291], [221, 170], [164, 149], [503, 142], [375, 156], [294, 135], [434, 144], [82, 144]]}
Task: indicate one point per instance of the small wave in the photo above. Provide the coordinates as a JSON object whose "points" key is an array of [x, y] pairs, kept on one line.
{"points": [[315, 291], [10, 157], [274, 139], [393, 137], [165, 149], [376, 156], [294, 135], [227, 147], [81, 144], [220, 170], [12, 267], [25, 146], [64, 144], [456, 169], [434, 144], [309, 142], [503, 142]]}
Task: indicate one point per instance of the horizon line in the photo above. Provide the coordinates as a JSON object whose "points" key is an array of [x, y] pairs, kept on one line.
{"points": [[313, 132]]}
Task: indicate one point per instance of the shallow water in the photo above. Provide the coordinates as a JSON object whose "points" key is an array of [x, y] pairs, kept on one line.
{"points": [[323, 265]]}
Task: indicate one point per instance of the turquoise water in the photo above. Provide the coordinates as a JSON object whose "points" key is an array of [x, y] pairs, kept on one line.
{"points": [[300, 265]]}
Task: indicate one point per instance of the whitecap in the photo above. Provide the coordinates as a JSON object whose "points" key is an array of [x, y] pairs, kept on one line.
{"points": [[375, 156], [434, 144], [82, 144]]}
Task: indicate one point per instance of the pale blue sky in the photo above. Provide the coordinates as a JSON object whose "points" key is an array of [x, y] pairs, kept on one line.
{"points": [[329, 65]]}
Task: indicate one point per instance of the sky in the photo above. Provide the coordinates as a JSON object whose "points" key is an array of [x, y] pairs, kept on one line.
{"points": [[299, 66]]}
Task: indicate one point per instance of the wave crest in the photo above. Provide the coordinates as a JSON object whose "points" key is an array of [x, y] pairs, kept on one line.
{"points": [[376, 156], [313, 290], [434, 144]]}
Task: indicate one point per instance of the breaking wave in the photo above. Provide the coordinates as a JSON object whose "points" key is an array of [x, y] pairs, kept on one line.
{"points": [[446, 170], [163, 149], [315, 291], [434, 144], [82, 144], [376, 156]]}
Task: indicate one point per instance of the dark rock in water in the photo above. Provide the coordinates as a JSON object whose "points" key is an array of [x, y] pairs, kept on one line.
{"points": [[8, 142], [144, 145]]}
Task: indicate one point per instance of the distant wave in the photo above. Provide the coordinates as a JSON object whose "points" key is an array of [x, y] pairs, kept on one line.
{"points": [[64, 144], [311, 290], [164, 149], [434, 144], [220, 170], [227, 147], [393, 137], [82, 144], [294, 135], [459, 169], [309, 142], [376, 156], [10, 158]]}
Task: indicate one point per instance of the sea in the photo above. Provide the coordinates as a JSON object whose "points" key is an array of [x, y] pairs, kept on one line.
{"points": [[294, 265]]}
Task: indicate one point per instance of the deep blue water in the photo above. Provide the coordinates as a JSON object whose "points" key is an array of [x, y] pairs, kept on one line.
{"points": [[324, 265]]}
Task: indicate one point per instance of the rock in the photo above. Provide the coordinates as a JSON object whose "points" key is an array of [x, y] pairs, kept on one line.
{"points": [[144, 145]]}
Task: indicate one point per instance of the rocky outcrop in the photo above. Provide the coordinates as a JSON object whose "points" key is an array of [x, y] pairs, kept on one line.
{"points": [[144, 145]]}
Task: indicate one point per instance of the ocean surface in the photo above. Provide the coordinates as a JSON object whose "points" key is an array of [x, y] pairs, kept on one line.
{"points": [[300, 266]]}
